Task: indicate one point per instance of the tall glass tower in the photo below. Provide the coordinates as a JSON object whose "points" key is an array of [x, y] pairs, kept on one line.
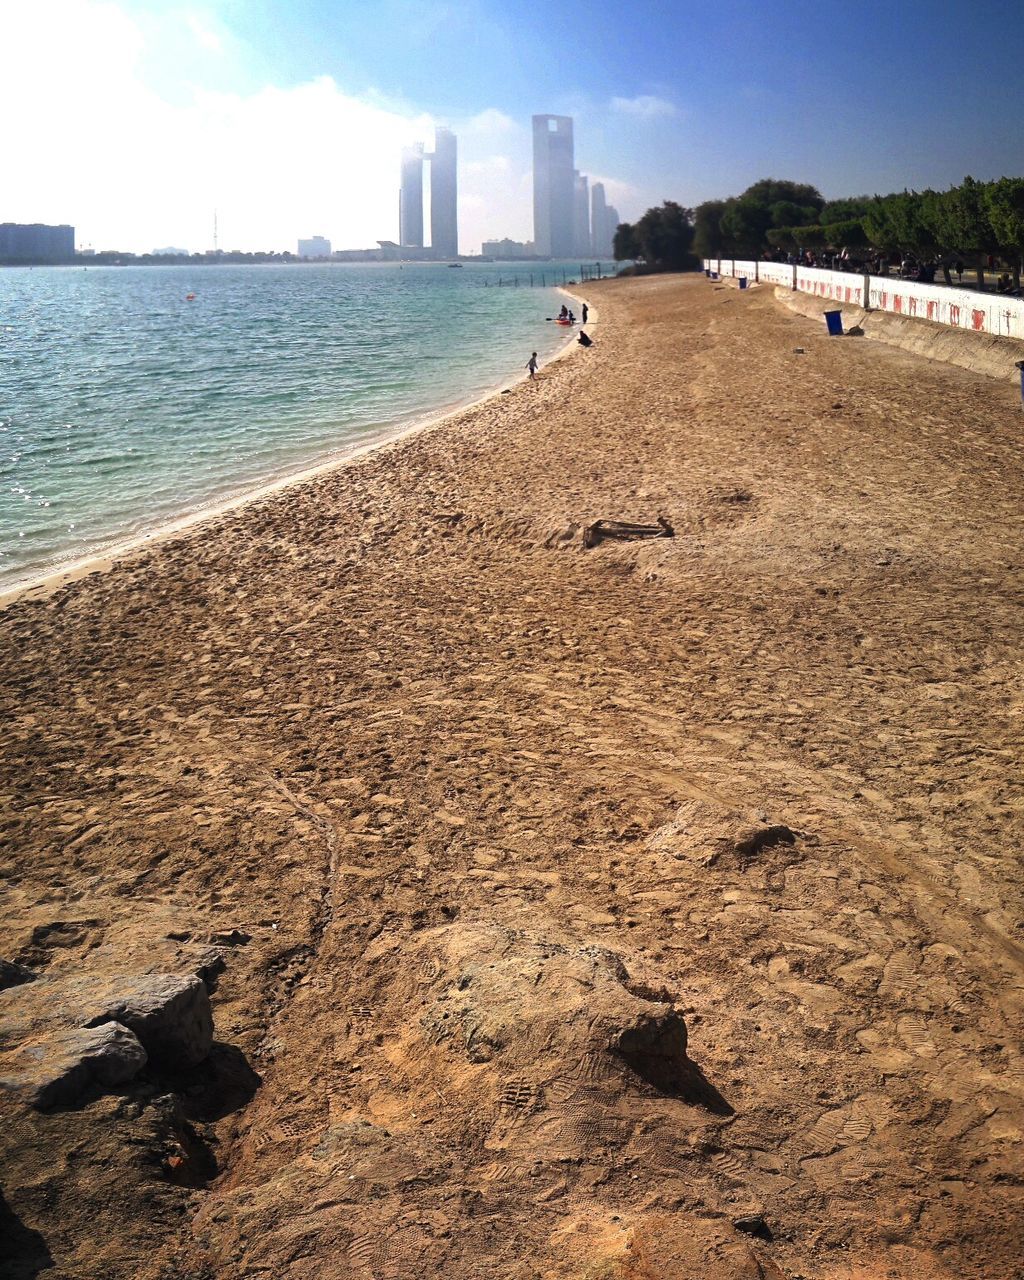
{"points": [[410, 198], [554, 187], [444, 195]]}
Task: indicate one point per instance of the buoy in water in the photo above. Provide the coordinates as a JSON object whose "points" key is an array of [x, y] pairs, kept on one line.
{"points": [[190, 297]]}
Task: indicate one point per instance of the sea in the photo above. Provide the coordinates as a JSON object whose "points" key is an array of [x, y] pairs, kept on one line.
{"points": [[131, 397]]}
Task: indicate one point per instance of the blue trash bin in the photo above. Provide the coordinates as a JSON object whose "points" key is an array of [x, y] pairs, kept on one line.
{"points": [[834, 320], [743, 282]]}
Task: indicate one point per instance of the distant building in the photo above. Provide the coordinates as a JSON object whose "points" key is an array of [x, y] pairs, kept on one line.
{"points": [[604, 218], [612, 226], [581, 215], [36, 243], [410, 198], [554, 187], [507, 249], [315, 247], [170, 253], [444, 195]]}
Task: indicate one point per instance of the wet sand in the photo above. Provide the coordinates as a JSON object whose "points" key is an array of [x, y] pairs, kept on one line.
{"points": [[475, 816]]}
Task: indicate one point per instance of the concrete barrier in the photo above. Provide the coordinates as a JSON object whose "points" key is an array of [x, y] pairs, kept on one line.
{"points": [[840, 286], [989, 313], [777, 273], [959, 308]]}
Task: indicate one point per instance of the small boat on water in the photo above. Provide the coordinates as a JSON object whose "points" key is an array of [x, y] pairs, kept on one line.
{"points": [[566, 321], [455, 264]]}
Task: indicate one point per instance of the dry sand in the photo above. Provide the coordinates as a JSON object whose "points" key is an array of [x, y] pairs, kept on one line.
{"points": [[463, 806]]}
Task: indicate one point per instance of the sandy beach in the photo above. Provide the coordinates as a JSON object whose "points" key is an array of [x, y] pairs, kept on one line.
{"points": [[628, 912]]}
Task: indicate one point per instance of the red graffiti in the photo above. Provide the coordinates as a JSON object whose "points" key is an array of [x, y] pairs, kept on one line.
{"points": [[912, 305], [932, 308], [978, 319], [954, 313], [885, 301], [897, 303]]}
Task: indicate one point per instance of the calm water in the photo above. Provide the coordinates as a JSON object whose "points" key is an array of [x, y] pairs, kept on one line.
{"points": [[124, 406]]}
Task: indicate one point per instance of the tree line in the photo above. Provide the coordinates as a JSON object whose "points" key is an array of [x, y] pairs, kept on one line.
{"points": [[972, 221]]}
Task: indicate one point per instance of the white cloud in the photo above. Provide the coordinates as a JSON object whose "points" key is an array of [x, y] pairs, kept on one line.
{"points": [[492, 121], [645, 106], [204, 33], [621, 194]]}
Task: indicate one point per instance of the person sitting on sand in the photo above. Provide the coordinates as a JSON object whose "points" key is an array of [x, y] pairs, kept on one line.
{"points": [[584, 340], [531, 364]]}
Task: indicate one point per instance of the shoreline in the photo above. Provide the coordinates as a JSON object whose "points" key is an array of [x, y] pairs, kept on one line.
{"points": [[40, 585]]}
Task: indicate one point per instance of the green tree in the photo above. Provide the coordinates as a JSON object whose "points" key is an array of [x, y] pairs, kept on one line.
{"points": [[625, 245], [662, 238], [845, 209], [787, 213], [848, 234], [745, 224], [1004, 204], [782, 237], [769, 191], [666, 237], [708, 241], [962, 223]]}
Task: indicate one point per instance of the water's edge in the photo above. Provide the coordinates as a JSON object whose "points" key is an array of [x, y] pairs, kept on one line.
{"points": [[103, 558]]}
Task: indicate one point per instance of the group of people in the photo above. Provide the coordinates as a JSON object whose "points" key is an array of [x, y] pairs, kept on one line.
{"points": [[583, 339], [904, 267], [567, 314]]}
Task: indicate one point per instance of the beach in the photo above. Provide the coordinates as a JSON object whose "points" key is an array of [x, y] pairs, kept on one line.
{"points": [[462, 821]]}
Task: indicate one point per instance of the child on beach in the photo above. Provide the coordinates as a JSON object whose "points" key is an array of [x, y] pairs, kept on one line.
{"points": [[531, 364]]}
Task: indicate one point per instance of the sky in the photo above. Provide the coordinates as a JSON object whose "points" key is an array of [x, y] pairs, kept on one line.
{"points": [[136, 119]]}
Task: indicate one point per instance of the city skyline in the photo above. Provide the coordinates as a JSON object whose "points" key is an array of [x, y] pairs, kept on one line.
{"points": [[261, 110]]}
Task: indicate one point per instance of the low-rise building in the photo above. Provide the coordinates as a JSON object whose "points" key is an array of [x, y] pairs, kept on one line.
{"points": [[315, 247], [36, 242], [507, 249]]}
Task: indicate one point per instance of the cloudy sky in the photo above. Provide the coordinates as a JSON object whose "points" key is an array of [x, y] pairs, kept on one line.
{"points": [[135, 119]]}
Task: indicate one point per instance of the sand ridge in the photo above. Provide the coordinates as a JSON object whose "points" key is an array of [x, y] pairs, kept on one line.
{"points": [[425, 756]]}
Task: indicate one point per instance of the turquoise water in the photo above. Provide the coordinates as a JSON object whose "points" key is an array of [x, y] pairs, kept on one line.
{"points": [[124, 406]]}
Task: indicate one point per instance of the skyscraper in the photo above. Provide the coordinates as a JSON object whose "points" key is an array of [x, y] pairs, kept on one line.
{"points": [[554, 187], [581, 215], [604, 218], [444, 195], [410, 199]]}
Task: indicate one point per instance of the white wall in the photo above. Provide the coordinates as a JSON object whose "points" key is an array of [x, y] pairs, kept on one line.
{"points": [[957, 308], [776, 273], [840, 286]]}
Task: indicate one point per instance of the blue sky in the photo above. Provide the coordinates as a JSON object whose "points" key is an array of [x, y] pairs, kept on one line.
{"points": [[288, 116]]}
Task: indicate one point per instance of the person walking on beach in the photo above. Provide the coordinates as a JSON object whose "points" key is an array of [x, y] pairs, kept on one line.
{"points": [[585, 313], [531, 364]]}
